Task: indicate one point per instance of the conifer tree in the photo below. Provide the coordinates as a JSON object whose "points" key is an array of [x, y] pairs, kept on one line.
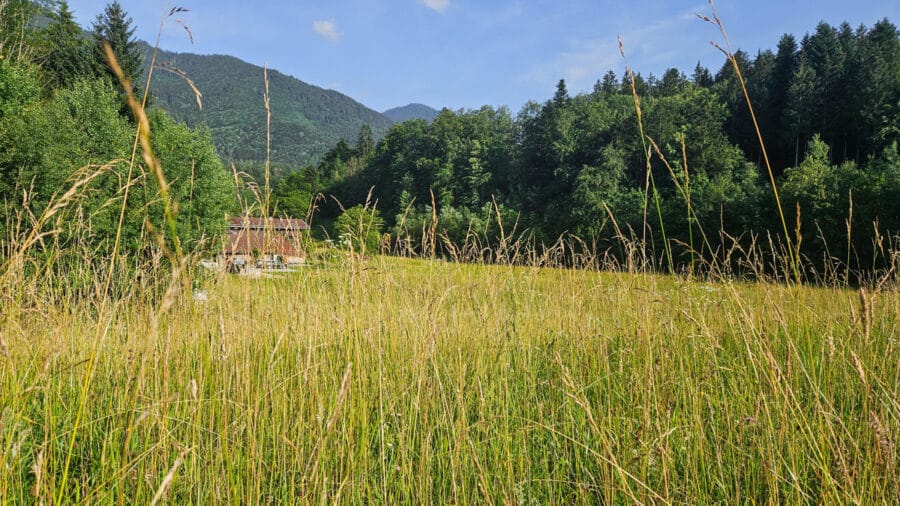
{"points": [[702, 77], [562, 94], [783, 138], [365, 142], [65, 58], [609, 84], [114, 26]]}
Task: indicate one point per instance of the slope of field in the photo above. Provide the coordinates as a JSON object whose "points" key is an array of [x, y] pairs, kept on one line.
{"points": [[404, 381], [306, 120]]}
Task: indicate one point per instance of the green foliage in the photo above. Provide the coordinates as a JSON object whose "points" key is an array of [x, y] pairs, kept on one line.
{"points": [[59, 125], [359, 229], [567, 165], [19, 85], [307, 120], [600, 190], [365, 142], [459, 160], [18, 36], [457, 226], [198, 181], [839, 82], [828, 195], [810, 184], [294, 193], [114, 27], [49, 144], [66, 53], [45, 146]]}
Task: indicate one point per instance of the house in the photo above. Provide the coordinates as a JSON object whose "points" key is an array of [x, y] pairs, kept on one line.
{"points": [[265, 242]]}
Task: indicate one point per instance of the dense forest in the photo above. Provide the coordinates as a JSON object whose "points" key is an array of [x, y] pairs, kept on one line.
{"points": [[828, 108], [68, 137], [671, 163], [306, 120]]}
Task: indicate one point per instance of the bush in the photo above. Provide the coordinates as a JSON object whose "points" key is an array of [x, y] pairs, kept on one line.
{"points": [[359, 229], [45, 146]]}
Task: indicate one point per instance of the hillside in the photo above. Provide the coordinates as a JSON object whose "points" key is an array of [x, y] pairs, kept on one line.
{"points": [[411, 111], [306, 120]]}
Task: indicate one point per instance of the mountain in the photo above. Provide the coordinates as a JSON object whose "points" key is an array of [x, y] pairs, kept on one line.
{"points": [[411, 111], [306, 120]]}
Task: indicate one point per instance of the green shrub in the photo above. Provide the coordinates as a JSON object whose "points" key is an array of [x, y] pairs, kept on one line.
{"points": [[359, 229]]}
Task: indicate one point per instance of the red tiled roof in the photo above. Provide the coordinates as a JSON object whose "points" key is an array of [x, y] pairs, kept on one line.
{"points": [[249, 242], [277, 224]]}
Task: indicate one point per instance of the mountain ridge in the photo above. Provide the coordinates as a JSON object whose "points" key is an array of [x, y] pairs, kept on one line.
{"points": [[307, 120], [411, 111]]}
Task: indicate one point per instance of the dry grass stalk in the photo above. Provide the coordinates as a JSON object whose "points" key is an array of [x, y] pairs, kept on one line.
{"points": [[793, 251], [171, 68], [167, 480], [650, 182], [267, 189]]}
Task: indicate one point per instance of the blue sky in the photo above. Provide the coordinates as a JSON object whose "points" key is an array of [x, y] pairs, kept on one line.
{"points": [[467, 53]]}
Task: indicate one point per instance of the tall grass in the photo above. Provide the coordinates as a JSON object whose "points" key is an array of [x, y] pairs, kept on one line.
{"points": [[650, 180], [505, 372], [406, 380], [729, 55]]}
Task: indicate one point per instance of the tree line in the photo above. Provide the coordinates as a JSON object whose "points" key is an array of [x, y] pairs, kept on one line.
{"points": [[684, 176], [827, 108], [63, 116]]}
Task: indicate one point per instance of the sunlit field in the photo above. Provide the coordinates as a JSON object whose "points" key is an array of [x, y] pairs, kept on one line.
{"points": [[392, 380], [612, 297]]}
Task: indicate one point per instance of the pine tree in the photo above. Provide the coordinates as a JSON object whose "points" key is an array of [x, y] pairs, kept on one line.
{"points": [[824, 55], [739, 125], [609, 84], [365, 143], [800, 105], [880, 94], [783, 144], [702, 77], [759, 85], [562, 94], [115, 28], [848, 121], [65, 51], [672, 83], [640, 85]]}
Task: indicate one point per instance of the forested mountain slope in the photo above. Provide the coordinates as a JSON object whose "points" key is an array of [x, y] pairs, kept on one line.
{"points": [[411, 111], [306, 120]]}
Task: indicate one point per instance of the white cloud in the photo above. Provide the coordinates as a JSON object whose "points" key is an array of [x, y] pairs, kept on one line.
{"points": [[327, 29], [588, 59], [580, 67], [437, 5]]}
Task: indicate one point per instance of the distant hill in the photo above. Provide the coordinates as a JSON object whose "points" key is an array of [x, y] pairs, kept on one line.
{"points": [[306, 120], [411, 111]]}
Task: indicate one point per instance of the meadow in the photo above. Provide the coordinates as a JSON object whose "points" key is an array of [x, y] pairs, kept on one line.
{"points": [[495, 372], [396, 380]]}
